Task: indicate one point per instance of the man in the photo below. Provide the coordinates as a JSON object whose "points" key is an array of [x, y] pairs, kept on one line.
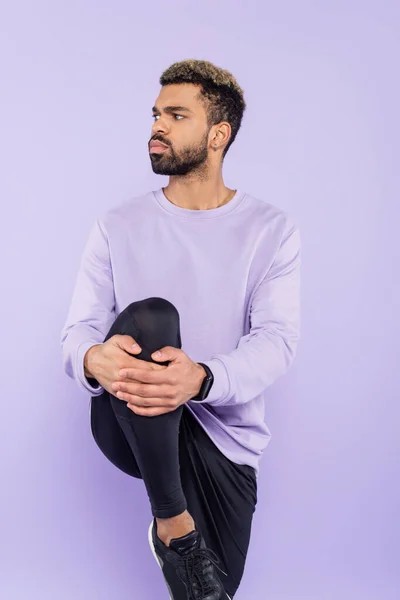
{"points": [[212, 268]]}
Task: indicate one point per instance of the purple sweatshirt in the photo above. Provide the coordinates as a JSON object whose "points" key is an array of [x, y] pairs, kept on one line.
{"points": [[232, 272]]}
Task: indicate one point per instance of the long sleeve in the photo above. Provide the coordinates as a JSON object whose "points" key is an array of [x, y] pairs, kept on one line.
{"points": [[268, 350], [92, 309]]}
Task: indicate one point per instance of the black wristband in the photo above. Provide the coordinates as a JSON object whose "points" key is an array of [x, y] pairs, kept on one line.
{"points": [[206, 384]]}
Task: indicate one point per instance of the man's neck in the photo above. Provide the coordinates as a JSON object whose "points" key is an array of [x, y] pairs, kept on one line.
{"points": [[197, 195]]}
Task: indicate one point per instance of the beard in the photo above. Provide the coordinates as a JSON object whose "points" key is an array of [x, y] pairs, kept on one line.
{"points": [[187, 160]]}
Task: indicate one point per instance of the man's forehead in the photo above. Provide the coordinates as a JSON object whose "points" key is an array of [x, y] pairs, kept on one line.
{"points": [[182, 94]]}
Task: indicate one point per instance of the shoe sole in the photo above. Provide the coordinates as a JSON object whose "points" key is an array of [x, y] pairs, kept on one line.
{"points": [[150, 537]]}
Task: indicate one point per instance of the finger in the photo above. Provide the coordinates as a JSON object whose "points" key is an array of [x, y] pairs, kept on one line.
{"points": [[144, 390], [146, 402], [143, 375], [144, 365], [148, 412], [129, 344]]}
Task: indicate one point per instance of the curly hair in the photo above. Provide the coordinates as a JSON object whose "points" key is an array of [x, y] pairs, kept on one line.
{"points": [[220, 92]]}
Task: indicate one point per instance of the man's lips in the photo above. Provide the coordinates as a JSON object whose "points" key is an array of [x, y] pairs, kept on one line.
{"points": [[156, 146]]}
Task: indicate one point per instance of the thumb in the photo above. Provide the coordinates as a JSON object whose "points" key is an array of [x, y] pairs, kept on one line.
{"points": [[130, 344], [166, 353]]}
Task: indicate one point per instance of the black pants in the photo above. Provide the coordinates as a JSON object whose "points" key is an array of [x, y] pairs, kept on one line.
{"points": [[178, 462]]}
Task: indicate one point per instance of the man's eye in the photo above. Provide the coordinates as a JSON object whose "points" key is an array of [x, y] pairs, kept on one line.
{"points": [[176, 116], [155, 117]]}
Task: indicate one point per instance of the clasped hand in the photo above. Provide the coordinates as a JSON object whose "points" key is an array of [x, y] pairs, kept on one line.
{"points": [[151, 392]]}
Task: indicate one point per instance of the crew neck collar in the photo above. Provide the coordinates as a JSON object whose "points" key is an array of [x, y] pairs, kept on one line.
{"points": [[198, 214]]}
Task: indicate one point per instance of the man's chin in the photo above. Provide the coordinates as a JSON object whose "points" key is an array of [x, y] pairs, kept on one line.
{"points": [[158, 170], [160, 167]]}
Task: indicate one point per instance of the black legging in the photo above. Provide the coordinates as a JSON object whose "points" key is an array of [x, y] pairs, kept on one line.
{"points": [[180, 465], [154, 441]]}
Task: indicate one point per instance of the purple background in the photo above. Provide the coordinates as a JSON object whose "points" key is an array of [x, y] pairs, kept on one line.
{"points": [[320, 139]]}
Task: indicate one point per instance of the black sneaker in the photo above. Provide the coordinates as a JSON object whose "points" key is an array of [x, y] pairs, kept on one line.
{"points": [[188, 566]]}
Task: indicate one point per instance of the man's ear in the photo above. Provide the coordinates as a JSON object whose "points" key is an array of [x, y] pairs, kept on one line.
{"points": [[221, 136]]}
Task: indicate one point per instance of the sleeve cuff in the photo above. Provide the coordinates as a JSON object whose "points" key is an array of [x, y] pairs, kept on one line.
{"points": [[220, 387], [84, 382]]}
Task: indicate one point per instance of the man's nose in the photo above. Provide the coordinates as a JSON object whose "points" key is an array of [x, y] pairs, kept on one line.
{"points": [[159, 126]]}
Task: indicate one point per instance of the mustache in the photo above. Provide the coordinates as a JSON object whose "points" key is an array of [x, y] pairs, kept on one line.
{"points": [[158, 138]]}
